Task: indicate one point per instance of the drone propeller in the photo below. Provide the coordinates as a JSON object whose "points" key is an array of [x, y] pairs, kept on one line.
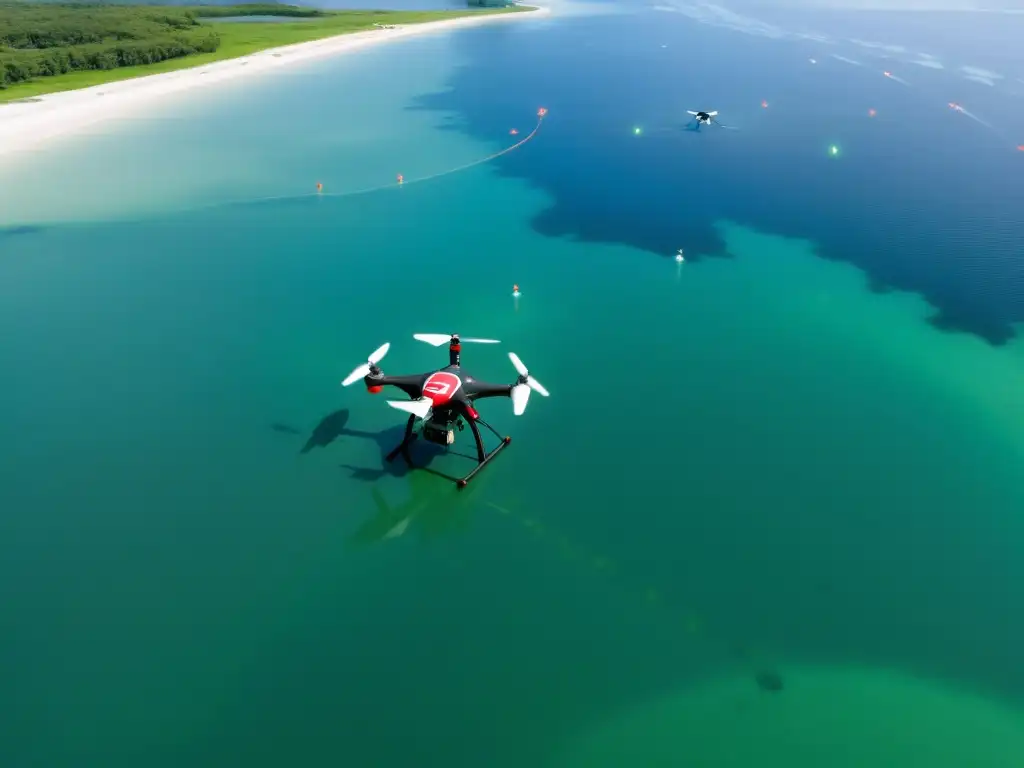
{"points": [[521, 390], [520, 397], [419, 408], [439, 339], [364, 370]]}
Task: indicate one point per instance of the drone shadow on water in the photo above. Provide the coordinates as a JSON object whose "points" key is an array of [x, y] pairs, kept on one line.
{"points": [[334, 426], [429, 511]]}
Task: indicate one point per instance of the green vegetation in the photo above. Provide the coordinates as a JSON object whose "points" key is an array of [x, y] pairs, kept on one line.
{"points": [[48, 47]]}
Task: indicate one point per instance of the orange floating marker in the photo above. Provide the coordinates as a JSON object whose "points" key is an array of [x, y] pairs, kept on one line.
{"points": [[400, 179], [319, 187], [513, 132]]}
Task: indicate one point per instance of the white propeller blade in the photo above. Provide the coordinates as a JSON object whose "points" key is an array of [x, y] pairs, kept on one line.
{"points": [[419, 408], [518, 364], [520, 397], [536, 386], [440, 339], [713, 113], [359, 373], [434, 339], [522, 371], [364, 370], [690, 112]]}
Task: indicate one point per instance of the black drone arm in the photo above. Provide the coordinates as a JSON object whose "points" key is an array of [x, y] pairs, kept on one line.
{"points": [[482, 389], [411, 385]]}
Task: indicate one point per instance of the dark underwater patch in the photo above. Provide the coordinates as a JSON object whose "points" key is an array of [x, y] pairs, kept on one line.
{"points": [[944, 225], [769, 681], [15, 230]]}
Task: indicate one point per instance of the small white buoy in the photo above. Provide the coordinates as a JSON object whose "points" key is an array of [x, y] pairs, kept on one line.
{"points": [[515, 292], [679, 256]]}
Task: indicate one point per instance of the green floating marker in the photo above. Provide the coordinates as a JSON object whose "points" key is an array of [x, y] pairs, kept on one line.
{"points": [[833, 150], [636, 131]]}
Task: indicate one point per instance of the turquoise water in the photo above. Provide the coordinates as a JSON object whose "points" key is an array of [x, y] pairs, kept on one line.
{"points": [[746, 464]]}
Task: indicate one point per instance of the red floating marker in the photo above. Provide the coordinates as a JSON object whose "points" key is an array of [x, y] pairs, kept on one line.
{"points": [[514, 132], [764, 104], [400, 178], [887, 74], [1020, 147], [541, 112], [871, 113]]}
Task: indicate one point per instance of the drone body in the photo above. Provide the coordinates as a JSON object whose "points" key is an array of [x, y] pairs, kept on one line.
{"points": [[444, 399], [703, 118]]}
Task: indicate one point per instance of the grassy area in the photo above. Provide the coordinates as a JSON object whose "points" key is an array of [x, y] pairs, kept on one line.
{"points": [[242, 38]]}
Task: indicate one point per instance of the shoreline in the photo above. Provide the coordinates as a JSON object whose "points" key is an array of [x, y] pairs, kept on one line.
{"points": [[25, 125]]}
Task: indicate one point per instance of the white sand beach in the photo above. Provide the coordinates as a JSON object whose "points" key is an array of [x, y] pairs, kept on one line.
{"points": [[25, 125]]}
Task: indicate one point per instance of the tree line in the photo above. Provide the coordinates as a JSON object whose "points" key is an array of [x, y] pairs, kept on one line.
{"points": [[46, 39]]}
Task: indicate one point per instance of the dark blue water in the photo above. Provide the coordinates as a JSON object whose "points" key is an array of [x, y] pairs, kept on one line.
{"points": [[921, 198]]}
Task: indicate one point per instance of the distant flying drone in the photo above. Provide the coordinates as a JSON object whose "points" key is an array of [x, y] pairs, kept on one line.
{"points": [[443, 399], [703, 118], [710, 118]]}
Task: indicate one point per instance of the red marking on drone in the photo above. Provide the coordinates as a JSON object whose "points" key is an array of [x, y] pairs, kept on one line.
{"points": [[375, 389], [440, 387], [542, 111]]}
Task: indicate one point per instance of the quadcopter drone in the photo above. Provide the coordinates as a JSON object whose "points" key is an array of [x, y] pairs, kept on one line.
{"points": [[443, 400], [703, 118], [709, 118]]}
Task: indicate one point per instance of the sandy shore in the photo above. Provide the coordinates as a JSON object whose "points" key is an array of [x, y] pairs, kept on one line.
{"points": [[26, 125]]}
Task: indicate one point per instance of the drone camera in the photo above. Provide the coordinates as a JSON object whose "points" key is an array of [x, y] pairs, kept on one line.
{"points": [[438, 434]]}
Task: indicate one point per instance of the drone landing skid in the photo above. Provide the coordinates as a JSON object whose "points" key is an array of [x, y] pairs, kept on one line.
{"points": [[482, 457]]}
